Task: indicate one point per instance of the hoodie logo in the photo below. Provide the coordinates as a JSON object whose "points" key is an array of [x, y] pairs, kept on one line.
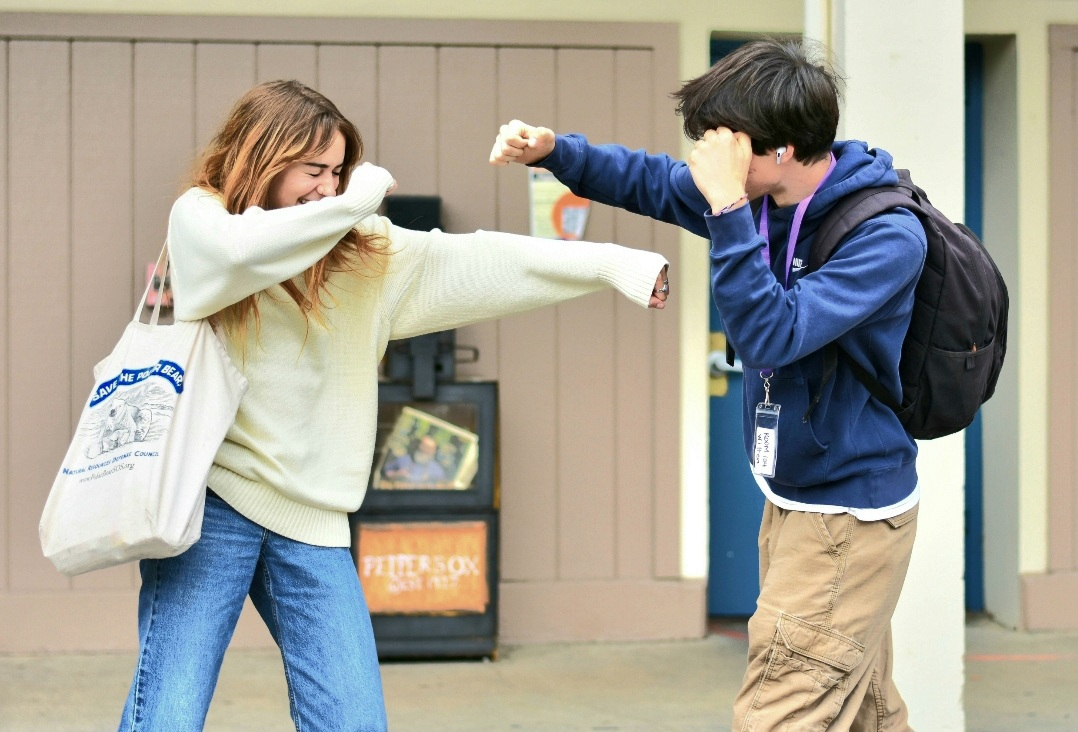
{"points": [[798, 264]]}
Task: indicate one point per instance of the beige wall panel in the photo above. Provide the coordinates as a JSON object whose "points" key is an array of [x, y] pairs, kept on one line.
{"points": [[527, 90], [348, 76], [101, 212], [101, 621], [1049, 600], [38, 368], [634, 347], [618, 610], [467, 118], [287, 61], [1063, 516], [587, 458], [338, 30], [223, 72], [666, 412], [666, 409], [527, 344], [407, 117], [5, 330], [70, 622], [1063, 409], [1063, 513], [163, 142], [578, 535]]}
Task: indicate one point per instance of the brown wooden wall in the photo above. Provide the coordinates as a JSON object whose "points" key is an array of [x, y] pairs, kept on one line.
{"points": [[100, 117], [1049, 599]]}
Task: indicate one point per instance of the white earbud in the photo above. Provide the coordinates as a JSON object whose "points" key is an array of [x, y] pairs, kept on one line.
{"points": [[779, 152]]}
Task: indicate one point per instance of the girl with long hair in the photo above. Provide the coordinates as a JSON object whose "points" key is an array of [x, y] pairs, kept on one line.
{"points": [[278, 243]]}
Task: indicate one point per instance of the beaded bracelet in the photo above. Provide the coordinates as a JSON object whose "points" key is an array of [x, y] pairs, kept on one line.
{"points": [[738, 202]]}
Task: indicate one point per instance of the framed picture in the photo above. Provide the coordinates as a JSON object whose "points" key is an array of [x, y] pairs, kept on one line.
{"points": [[425, 452]]}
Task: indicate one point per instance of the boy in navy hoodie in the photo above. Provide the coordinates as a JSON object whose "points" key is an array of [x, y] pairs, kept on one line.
{"points": [[839, 474]]}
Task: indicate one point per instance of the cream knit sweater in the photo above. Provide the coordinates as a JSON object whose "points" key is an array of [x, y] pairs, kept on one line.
{"points": [[298, 457]]}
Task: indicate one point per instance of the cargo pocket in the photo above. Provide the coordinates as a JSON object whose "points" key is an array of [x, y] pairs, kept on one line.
{"points": [[806, 679]]}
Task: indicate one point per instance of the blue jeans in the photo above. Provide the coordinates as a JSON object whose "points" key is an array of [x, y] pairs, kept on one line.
{"points": [[310, 599]]}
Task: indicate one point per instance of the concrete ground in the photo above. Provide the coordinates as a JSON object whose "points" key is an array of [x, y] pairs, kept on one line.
{"points": [[1014, 682]]}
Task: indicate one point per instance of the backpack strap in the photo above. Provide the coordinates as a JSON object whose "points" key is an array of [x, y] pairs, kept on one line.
{"points": [[845, 216], [874, 386], [855, 209]]}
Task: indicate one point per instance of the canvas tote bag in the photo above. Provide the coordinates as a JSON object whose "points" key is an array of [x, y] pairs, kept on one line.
{"points": [[133, 482]]}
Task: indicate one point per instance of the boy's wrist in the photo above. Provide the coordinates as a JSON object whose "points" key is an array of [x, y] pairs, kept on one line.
{"points": [[730, 206]]}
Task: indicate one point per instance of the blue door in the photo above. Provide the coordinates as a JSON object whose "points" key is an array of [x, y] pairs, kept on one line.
{"points": [[736, 503], [974, 220]]}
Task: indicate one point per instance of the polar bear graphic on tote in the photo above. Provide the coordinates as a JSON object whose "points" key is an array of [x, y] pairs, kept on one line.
{"points": [[124, 420], [124, 423]]}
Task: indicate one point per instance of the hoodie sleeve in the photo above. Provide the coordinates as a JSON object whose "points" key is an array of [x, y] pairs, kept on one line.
{"points": [[657, 186], [868, 277]]}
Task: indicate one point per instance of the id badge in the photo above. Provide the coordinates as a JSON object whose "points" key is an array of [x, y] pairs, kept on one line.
{"points": [[765, 449]]}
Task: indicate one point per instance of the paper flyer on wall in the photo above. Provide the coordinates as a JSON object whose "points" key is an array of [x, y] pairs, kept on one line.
{"points": [[556, 213]]}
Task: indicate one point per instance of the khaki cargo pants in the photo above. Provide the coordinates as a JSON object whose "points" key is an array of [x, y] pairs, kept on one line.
{"points": [[820, 640]]}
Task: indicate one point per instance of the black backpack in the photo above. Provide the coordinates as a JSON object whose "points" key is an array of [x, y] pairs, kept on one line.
{"points": [[954, 349]]}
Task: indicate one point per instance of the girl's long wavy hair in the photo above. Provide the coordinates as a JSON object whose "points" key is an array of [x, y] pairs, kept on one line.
{"points": [[272, 126]]}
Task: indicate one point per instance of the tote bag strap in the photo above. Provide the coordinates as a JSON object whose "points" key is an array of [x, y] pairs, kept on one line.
{"points": [[163, 256]]}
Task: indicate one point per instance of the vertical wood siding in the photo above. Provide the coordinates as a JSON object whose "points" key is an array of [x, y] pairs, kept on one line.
{"points": [[1049, 598], [527, 344], [223, 72], [634, 344], [467, 119], [96, 141], [39, 283], [408, 117], [1063, 521], [102, 243], [5, 334], [587, 463]]}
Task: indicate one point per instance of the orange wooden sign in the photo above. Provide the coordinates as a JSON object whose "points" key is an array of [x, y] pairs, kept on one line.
{"points": [[424, 568]]}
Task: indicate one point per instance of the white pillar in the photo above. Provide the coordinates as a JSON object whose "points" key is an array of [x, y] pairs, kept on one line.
{"points": [[904, 93]]}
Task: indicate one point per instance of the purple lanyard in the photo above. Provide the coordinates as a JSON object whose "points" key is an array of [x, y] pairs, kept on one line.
{"points": [[795, 226], [795, 229]]}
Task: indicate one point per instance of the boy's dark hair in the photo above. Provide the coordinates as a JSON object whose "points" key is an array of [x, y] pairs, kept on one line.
{"points": [[772, 90]]}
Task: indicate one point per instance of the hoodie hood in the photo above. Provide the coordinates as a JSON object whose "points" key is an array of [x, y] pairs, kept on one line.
{"points": [[856, 167]]}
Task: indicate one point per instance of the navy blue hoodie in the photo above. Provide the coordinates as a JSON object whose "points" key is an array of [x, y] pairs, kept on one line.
{"points": [[852, 451]]}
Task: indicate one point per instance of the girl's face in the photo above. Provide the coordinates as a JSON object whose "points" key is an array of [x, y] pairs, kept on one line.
{"points": [[311, 179]]}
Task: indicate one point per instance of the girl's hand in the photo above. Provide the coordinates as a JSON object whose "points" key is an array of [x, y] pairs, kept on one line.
{"points": [[661, 291]]}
